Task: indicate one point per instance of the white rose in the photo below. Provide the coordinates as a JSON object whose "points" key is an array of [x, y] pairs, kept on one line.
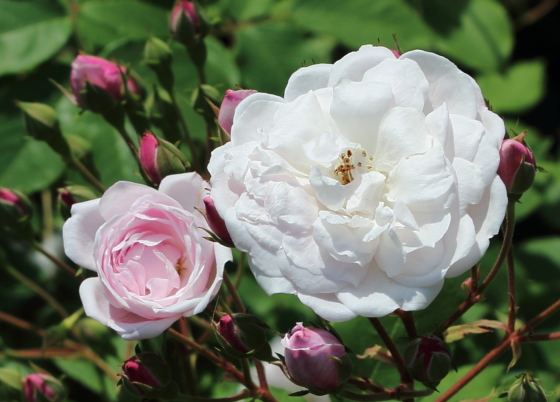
{"points": [[371, 181]]}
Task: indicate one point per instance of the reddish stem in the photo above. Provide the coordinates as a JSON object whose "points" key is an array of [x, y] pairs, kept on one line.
{"points": [[511, 291]]}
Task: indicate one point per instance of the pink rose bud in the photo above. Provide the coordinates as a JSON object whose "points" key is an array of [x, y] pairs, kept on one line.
{"points": [[185, 24], [160, 158], [216, 222], [146, 374], [428, 360], [100, 73], [229, 104], [243, 335], [12, 200], [517, 165], [316, 359], [38, 383]]}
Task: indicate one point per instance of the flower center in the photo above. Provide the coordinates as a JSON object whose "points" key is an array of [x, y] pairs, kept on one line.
{"points": [[351, 161]]}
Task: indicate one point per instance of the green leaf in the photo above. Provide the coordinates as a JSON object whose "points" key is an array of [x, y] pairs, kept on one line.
{"points": [[483, 40], [269, 53], [359, 22], [30, 33], [10, 377], [89, 376], [101, 22], [282, 395], [245, 10], [519, 88]]}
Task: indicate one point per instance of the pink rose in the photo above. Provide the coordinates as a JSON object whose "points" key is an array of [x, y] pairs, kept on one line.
{"points": [[101, 73], [148, 249]]}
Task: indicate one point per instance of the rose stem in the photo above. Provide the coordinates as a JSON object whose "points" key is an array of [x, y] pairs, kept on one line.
{"points": [[46, 204], [233, 293], [227, 366], [409, 323], [88, 175], [56, 260], [37, 289], [240, 269], [248, 382], [502, 346], [390, 394], [190, 373], [392, 348], [511, 291], [183, 122], [474, 296], [21, 323], [261, 374], [538, 338]]}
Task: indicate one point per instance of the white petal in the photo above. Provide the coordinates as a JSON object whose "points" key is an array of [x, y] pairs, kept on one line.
{"points": [[448, 84], [358, 107], [402, 133], [407, 81], [253, 116], [440, 127], [79, 231], [327, 306], [355, 64], [307, 79], [188, 189], [470, 183]]}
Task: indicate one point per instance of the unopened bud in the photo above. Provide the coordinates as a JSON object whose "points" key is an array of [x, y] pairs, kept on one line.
{"points": [[148, 375], [316, 359], [158, 57], [229, 104], [160, 158], [15, 208], [243, 335], [428, 360], [41, 123], [517, 165], [526, 389], [71, 195], [187, 25], [40, 387], [216, 223]]}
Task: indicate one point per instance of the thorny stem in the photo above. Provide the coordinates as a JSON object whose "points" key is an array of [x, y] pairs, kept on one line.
{"points": [[56, 260], [37, 289], [233, 293], [88, 175], [502, 346], [475, 294], [538, 338], [511, 291]]}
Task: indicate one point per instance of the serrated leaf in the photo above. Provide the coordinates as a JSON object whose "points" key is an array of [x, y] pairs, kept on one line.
{"points": [[476, 327], [517, 89]]}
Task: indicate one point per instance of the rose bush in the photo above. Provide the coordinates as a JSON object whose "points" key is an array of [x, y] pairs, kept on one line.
{"points": [[371, 181], [148, 249]]}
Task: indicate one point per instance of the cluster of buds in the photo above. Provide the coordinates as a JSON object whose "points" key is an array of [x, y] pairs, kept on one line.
{"points": [[517, 166], [39, 387], [316, 359], [428, 359]]}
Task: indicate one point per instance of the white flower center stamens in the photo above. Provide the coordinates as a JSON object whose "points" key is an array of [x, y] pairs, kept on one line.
{"points": [[356, 160]]}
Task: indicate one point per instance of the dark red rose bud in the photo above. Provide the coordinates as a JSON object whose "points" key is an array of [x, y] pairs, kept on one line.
{"points": [[428, 360], [243, 335]]}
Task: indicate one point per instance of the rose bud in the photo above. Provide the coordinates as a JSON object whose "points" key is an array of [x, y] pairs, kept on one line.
{"points": [[216, 222], [158, 56], [230, 102], [517, 165], [428, 359], [70, 195], [148, 375], [243, 335], [526, 389], [160, 158], [186, 24], [316, 359], [39, 386], [15, 208], [41, 123], [97, 83]]}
